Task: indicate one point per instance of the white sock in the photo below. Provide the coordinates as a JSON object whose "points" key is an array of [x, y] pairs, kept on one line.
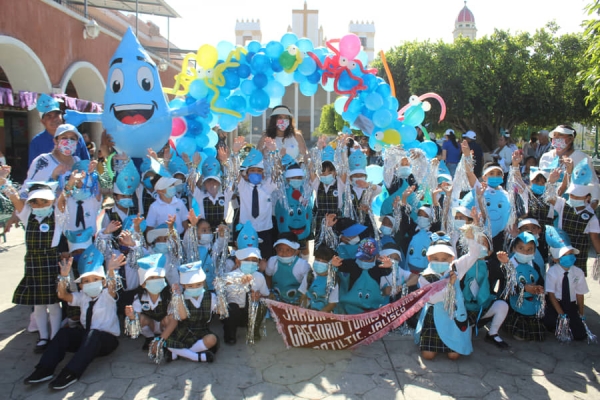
{"points": [[199, 346], [147, 331], [40, 314], [186, 353], [55, 312], [498, 312]]}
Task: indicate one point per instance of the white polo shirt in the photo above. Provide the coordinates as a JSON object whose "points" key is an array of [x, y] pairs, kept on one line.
{"points": [[159, 212], [264, 221], [577, 282], [104, 317]]}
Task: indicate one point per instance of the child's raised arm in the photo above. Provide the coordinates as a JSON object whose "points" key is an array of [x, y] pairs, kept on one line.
{"points": [[65, 269]]}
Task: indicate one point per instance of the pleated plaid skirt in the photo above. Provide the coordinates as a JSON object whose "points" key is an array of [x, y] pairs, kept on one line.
{"points": [[38, 286], [430, 339], [525, 327]]}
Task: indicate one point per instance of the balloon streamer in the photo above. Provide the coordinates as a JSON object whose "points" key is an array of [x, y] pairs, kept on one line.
{"points": [[388, 73]]}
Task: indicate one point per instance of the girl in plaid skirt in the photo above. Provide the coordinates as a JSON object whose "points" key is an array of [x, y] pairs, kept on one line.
{"points": [[42, 235]]}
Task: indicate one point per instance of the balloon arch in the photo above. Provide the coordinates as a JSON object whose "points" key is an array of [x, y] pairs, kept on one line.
{"points": [[237, 81]]}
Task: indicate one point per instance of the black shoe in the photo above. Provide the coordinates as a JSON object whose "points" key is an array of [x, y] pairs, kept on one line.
{"points": [[231, 341], [147, 342], [39, 375], [496, 340], [41, 346], [210, 357], [65, 379]]}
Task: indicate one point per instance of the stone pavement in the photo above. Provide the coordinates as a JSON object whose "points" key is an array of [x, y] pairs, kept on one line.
{"points": [[388, 369]]}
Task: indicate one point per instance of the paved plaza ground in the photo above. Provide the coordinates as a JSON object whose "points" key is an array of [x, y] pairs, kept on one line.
{"points": [[388, 369]]}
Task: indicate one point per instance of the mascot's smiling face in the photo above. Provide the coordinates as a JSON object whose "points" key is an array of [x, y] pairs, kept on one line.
{"points": [[135, 107], [526, 275]]}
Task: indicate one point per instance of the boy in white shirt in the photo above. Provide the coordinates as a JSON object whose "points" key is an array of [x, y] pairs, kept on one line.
{"points": [[167, 204]]}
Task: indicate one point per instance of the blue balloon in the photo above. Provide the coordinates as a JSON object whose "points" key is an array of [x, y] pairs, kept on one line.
{"points": [[260, 80], [198, 89], [382, 117], [226, 122], [374, 173], [370, 81], [260, 63], [213, 138], [254, 46], [392, 104], [284, 78], [349, 116], [375, 144], [247, 87], [339, 104], [210, 151], [276, 66], [243, 71], [374, 101], [275, 101], [275, 89], [186, 145], [315, 77], [237, 103], [384, 90], [308, 89], [223, 49], [298, 77], [259, 100], [363, 57], [289, 39], [329, 86], [273, 49], [430, 148], [175, 103], [410, 145], [305, 45], [308, 66], [250, 56], [232, 79], [414, 115], [202, 140], [407, 133], [194, 127]]}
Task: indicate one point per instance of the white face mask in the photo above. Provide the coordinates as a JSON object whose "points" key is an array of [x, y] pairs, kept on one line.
{"points": [[206, 239], [93, 289], [423, 222]]}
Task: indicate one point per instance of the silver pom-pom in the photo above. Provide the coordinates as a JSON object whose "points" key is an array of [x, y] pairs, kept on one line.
{"points": [[176, 305], [104, 243], [521, 297], [541, 311], [252, 314], [550, 193], [190, 244], [132, 326], [327, 237], [222, 308], [596, 269], [563, 330], [156, 351], [175, 248], [460, 183], [510, 272], [450, 300], [591, 338], [192, 178]]}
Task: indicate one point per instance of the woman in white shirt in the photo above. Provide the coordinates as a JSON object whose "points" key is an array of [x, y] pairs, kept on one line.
{"points": [[281, 128]]}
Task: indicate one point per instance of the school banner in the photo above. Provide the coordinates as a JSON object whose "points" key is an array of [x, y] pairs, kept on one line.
{"points": [[300, 327]]}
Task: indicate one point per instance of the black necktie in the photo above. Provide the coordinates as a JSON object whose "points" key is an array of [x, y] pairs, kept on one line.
{"points": [[255, 202], [88, 315], [79, 215], [566, 292]]}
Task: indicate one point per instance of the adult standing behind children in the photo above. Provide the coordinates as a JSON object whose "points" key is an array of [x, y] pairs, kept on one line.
{"points": [[451, 151], [281, 129]]}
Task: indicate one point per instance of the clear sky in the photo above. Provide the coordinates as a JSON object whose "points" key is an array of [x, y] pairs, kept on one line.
{"points": [[209, 22]]}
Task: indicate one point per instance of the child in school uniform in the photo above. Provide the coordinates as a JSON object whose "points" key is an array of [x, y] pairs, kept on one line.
{"points": [[151, 300], [565, 285], [357, 164], [40, 217], [192, 337], [255, 200], [81, 198], [124, 189], [157, 240], [97, 301], [329, 189], [350, 234], [78, 241], [317, 294], [522, 321], [436, 332], [213, 201], [403, 277], [167, 204], [287, 269], [205, 247], [179, 170], [246, 258]]}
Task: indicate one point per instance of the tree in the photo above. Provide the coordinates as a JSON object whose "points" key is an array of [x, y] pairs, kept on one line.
{"points": [[590, 73], [331, 122], [496, 82]]}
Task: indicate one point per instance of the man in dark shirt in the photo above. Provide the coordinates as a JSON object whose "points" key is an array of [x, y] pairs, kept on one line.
{"points": [[471, 137]]}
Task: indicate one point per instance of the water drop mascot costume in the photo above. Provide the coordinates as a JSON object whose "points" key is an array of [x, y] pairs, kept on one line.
{"points": [[575, 215], [525, 290], [363, 291], [136, 113], [436, 331], [297, 216], [497, 210]]}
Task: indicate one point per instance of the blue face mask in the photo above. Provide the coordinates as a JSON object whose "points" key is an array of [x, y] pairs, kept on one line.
{"points": [[404, 172], [423, 222], [576, 203], [161, 247], [459, 223], [320, 267], [365, 264], [495, 181], [386, 230], [126, 203], [439, 267], [567, 261], [42, 212], [538, 189], [195, 292], [171, 191], [255, 178], [155, 286], [248, 267], [81, 194], [296, 183], [327, 179], [524, 258]]}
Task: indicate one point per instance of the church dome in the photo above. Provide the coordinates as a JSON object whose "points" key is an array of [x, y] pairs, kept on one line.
{"points": [[465, 15]]}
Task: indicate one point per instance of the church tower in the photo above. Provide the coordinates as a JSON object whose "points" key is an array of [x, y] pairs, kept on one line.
{"points": [[365, 30], [465, 24], [305, 23], [247, 31]]}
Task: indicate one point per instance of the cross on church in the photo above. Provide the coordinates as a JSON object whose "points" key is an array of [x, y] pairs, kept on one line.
{"points": [[304, 12]]}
